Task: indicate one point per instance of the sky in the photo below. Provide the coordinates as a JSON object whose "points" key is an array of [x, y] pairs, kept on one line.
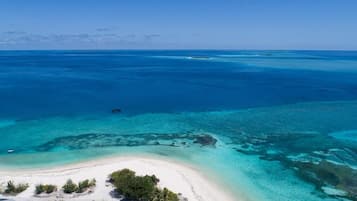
{"points": [[178, 24]]}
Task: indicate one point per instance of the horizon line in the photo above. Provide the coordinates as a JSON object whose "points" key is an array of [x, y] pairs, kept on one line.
{"points": [[177, 49]]}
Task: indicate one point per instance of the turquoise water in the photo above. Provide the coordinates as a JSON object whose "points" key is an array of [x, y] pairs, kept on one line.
{"points": [[258, 124]]}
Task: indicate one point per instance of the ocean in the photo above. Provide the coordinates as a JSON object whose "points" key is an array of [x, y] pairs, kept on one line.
{"points": [[269, 125]]}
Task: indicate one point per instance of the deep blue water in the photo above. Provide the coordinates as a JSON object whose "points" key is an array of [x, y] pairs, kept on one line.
{"points": [[279, 118], [42, 83]]}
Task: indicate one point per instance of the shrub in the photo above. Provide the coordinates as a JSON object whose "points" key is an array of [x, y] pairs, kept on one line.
{"points": [[51, 189], [92, 183], [70, 187], [47, 188], [131, 186], [155, 179], [165, 195], [84, 185], [139, 188], [11, 188], [121, 175], [120, 178]]}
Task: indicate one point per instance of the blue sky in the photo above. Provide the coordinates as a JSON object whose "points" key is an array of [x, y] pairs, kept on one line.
{"points": [[178, 24]]}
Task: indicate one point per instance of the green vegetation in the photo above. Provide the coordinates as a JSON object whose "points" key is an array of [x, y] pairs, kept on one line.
{"points": [[71, 187], [13, 189], [140, 188], [45, 188], [165, 195], [84, 185]]}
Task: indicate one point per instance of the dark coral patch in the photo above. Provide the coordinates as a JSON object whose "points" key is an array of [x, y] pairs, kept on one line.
{"points": [[205, 140], [88, 140]]}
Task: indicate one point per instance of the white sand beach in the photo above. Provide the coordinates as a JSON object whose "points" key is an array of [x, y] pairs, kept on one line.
{"points": [[178, 177]]}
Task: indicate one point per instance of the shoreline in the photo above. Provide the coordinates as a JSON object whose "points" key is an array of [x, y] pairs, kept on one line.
{"points": [[177, 176]]}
